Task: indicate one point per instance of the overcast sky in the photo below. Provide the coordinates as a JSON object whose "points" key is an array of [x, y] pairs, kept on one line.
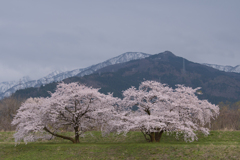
{"points": [[38, 37]]}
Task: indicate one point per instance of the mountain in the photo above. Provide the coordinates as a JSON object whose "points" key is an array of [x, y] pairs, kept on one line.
{"points": [[4, 86], [125, 57], [224, 68], [7, 88], [165, 67]]}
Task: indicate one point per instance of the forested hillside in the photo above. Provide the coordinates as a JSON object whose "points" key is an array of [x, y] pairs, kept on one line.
{"points": [[217, 86]]}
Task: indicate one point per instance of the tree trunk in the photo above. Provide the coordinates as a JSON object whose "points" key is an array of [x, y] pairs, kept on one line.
{"points": [[158, 136], [77, 139], [76, 135], [152, 136]]}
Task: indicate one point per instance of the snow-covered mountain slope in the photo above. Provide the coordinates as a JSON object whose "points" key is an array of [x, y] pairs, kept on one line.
{"points": [[125, 57], [224, 68], [7, 88], [4, 86]]}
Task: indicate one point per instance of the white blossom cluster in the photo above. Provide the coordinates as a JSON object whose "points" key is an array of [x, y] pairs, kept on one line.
{"points": [[163, 109], [81, 108], [73, 105]]}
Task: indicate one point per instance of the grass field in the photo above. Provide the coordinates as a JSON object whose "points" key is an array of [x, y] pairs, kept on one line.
{"points": [[218, 145]]}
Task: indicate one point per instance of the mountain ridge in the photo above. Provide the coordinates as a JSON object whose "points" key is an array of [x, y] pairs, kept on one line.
{"points": [[164, 67], [7, 88], [224, 68]]}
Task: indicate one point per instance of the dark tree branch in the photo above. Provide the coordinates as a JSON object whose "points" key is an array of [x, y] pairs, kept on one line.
{"points": [[144, 134], [57, 135]]}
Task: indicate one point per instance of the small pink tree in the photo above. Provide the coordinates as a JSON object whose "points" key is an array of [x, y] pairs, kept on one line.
{"points": [[163, 109], [74, 105]]}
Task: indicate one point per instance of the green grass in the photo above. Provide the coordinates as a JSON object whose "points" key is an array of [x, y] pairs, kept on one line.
{"points": [[218, 145]]}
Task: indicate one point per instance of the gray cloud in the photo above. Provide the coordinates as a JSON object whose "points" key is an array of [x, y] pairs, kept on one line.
{"points": [[37, 37]]}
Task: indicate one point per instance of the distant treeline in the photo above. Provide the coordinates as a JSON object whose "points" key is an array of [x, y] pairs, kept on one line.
{"points": [[229, 117], [8, 109]]}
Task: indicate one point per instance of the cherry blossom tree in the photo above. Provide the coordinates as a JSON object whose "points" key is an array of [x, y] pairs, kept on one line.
{"points": [[73, 105], [163, 109]]}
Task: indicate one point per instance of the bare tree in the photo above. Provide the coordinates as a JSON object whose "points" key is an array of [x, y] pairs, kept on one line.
{"points": [[229, 117], [8, 108]]}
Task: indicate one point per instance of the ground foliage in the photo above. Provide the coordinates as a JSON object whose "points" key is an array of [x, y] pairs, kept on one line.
{"points": [[218, 145]]}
